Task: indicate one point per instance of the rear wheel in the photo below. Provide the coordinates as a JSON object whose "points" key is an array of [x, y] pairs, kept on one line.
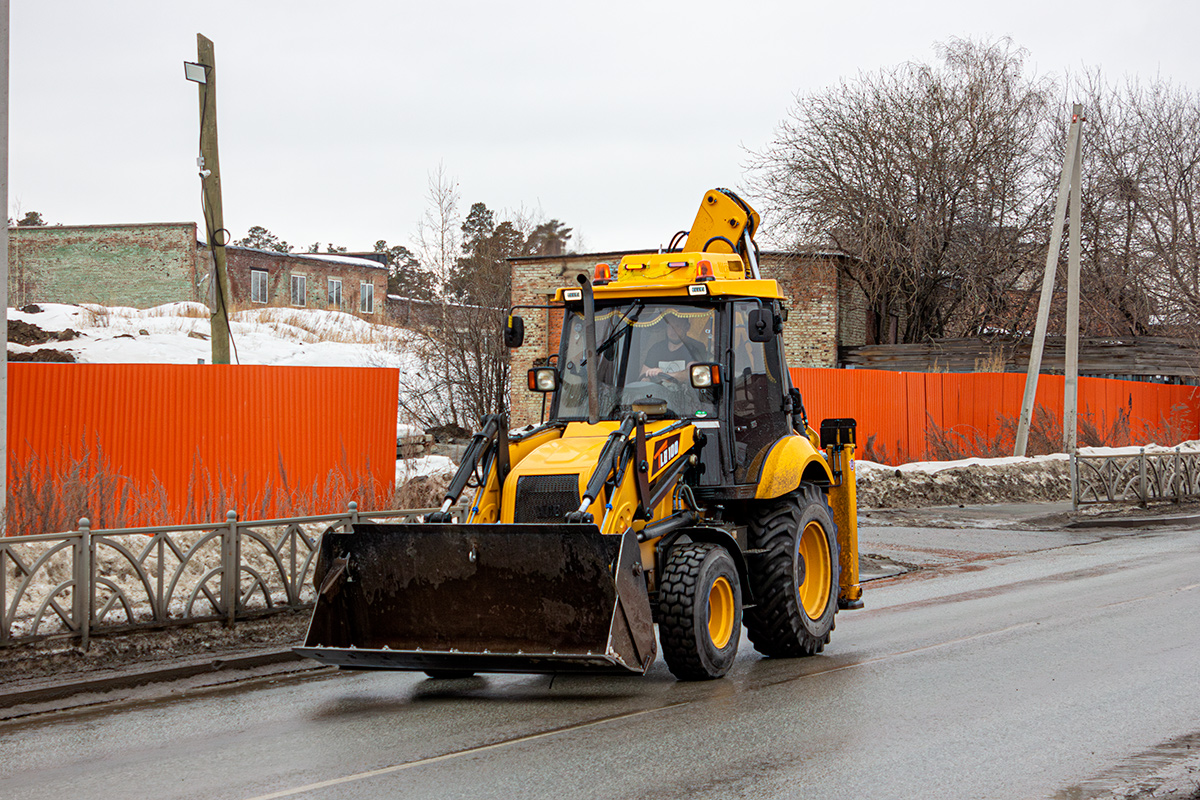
{"points": [[795, 578], [700, 611]]}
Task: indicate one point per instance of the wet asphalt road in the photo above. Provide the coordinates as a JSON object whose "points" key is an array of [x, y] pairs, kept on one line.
{"points": [[987, 674]]}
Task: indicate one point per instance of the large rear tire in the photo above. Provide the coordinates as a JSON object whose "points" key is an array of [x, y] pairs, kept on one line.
{"points": [[795, 578], [700, 611]]}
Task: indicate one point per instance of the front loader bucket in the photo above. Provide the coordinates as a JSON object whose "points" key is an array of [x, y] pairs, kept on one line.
{"points": [[481, 598]]}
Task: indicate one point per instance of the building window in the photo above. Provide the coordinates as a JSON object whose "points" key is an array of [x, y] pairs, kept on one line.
{"points": [[366, 295], [258, 286], [335, 292], [299, 290]]}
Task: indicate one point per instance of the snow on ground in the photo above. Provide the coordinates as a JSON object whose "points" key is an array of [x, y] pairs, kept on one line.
{"points": [[941, 466], [440, 467], [178, 333]]}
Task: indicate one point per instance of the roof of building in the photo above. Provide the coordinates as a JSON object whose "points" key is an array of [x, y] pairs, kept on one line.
{"points": [[337, 258]]}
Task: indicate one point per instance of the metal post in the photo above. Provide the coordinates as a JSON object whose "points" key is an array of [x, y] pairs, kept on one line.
{"points": [[229, 568], [1074, 466], [1043, 318], [1176, 478], [1143, 491], [83, 600], [4, 8], [352, 507]]}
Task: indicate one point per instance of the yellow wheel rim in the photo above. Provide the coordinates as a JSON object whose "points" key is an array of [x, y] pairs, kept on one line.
{"points": [[720, 612], [818, 572]]}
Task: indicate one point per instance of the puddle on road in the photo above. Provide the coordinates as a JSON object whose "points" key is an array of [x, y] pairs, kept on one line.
{"points": [[1171, 770]]}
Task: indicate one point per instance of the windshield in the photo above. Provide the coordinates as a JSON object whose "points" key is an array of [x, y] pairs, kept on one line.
{"points": [[645, 350]]}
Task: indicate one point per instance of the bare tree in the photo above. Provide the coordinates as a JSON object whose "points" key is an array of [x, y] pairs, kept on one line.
{"points": [[438, 229], [1168, 119], [931, 177], [1113, 295], [1140, 205], [433, 402], [465, 344]]}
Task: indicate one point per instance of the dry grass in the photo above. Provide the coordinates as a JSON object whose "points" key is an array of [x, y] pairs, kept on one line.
{"points": [[878, 452], [44, 499], [1046, 434], [994, 361], [94, 315], [303, 325]]}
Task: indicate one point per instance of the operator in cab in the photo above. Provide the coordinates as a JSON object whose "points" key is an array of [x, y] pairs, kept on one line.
{"points": [[670, 355]]}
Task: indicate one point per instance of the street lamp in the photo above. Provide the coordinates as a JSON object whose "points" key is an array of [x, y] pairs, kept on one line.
{"points": [[195, 72]]}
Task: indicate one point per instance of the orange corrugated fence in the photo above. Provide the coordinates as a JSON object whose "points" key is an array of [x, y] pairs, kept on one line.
{"points": [[168, 443], [911, 416]]}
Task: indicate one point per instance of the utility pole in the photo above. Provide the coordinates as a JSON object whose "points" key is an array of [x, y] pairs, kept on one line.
{"points": [[204, 73], [4, 8], [1068, 185]]}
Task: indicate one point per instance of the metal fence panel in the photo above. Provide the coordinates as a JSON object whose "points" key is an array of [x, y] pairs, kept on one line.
{"points": [[81, 583], [1140, 478]]}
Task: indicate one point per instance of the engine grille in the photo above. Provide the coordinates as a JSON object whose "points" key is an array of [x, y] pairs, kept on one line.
{"points": [[545, 498]]}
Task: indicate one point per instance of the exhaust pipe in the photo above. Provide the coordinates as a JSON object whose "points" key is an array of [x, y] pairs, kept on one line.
{"points": [[589, 321]]}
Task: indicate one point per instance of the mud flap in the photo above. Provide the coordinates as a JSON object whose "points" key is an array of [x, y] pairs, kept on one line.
{"points": [[482, 598]]}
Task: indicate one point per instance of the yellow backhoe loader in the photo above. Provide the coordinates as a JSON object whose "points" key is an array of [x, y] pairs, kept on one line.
{"points": [[675, 481]]}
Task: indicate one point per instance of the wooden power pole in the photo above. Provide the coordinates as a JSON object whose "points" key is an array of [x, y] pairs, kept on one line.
{"points": [[204, 73], [1068, 185], [4, 15]]}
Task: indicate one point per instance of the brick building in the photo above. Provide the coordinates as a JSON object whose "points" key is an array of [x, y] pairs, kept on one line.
{"points": [[304, 280], [824, 311], [148, 264]]}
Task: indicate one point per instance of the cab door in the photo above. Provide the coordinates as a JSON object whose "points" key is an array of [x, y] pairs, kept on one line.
{"points": [[759, 388]]}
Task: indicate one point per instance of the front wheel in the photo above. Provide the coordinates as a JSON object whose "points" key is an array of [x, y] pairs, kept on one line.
{"points": [[700, 611], [794, 574]]}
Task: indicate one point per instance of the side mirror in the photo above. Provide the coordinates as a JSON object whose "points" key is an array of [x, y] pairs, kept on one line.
{"points": [[761, 325], [514, 331]]}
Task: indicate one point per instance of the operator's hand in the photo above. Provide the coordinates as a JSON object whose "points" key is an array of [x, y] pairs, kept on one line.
{"points": [[651, 372]]}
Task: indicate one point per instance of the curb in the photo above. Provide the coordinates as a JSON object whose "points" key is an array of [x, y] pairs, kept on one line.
{"points": [[128, 680], [1133, 522]]}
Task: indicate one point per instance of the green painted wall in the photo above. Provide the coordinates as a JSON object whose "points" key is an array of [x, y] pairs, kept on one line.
{"points": [[115, 265]]}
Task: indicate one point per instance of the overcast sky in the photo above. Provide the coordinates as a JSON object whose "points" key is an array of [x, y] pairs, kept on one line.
{"points": [[611, 116]]}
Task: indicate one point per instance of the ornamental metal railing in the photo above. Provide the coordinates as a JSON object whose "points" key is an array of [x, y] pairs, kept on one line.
{"points": [[81, 583], [1137, 478]]}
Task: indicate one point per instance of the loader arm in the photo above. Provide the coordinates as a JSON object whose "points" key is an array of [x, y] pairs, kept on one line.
{"points": [[725, 224]]}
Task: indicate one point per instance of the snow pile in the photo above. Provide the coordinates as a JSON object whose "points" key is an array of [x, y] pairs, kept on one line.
{"points": [[972, 481], [980, 481]]}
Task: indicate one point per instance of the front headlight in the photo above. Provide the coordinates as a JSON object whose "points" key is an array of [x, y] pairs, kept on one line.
{"points": [[543, 379], [705, 375]]}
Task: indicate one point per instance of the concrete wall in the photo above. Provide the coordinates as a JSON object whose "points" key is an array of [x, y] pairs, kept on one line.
{"points": [[148, 264], [118, 265], [824, 311]]}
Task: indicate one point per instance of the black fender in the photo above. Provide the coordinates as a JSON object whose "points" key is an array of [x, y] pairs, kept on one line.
{"points": [[711, 535]]}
